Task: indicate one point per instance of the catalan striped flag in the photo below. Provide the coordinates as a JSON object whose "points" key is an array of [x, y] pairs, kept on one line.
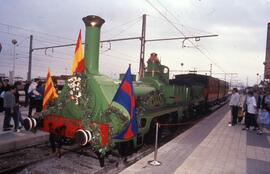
{"points": [[49, 92], [125, 97], [78, 60]]}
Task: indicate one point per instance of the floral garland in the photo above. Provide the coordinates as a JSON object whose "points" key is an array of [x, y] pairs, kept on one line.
{"points": [[74, 84], [98, 128]]}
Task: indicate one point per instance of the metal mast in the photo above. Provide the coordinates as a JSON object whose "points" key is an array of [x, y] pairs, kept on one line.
{"points": [[30, 58], [142, 51]]}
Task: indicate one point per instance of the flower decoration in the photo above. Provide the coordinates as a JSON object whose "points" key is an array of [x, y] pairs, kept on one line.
{"points": [[75, 91]]}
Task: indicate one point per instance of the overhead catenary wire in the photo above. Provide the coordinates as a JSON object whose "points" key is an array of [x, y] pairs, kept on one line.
{"points": [[52, 55], [172, 24], [182, 25], [34, 31], [123, 24], [15, 34], [177, 19], [172, 14], [128, 27]]}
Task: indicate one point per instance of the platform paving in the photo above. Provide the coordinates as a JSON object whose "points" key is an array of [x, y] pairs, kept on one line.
{"points": [[11, 141], [211, 147]]}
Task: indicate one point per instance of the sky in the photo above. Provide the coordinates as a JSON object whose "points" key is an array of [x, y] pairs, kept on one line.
{"points": [[241, 26]]}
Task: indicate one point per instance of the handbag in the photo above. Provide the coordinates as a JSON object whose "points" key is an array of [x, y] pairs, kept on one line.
{"points": [[2, 94], [241, 112], [264, 118]]}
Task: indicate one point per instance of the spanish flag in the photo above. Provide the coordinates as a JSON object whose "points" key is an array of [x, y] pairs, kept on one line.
{"points": [[49, 92], [78, 60]]}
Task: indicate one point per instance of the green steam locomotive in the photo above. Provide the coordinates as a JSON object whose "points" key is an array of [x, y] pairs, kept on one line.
{"points": [[84, 110]]}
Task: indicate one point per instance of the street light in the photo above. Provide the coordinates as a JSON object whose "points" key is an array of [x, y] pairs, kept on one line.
{"points": [[257, 78], [14, 42], [264, 64], [182, 64]]}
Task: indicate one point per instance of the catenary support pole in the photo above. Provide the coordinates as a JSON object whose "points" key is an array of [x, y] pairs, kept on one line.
{"points": [[30, 58], [142, 51]]}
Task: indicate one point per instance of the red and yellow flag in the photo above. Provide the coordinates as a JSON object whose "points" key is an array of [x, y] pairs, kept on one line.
{"points": [[49, 92], [78, 60]]}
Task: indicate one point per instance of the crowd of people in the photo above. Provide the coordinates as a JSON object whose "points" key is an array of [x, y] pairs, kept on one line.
{"points": [[10, 102], [255, 109]]}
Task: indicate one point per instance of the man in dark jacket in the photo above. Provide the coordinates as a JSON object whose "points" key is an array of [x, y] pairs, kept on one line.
{"points": [[1, 97], [10, 109], [32, 93], [17, 101]]}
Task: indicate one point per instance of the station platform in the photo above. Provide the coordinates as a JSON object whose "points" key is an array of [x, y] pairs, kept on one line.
{"points": [[211, 147], [11, 141]]}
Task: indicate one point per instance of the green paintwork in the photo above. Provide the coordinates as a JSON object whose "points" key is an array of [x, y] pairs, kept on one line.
{"points": [[92, 37], [141, 89], [196, 93], [102, 90]]}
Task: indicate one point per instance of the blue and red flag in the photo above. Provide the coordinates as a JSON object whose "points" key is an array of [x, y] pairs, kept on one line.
{"points": [[125, 97]]}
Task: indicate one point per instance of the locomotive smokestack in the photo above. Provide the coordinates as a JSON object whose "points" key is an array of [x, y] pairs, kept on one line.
{"points": [[92, 38]]}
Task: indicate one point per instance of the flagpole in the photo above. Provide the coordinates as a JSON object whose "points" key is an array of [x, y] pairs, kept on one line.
{"points": [[110, 105]]}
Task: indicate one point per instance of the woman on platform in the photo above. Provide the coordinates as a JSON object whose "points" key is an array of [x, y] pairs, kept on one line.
{"points": [[251, 111], [1, 96]]}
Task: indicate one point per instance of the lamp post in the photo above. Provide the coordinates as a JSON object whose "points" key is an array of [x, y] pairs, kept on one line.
{"points": [[264, 65], [182, 64], [14, 42], [257, 78]]}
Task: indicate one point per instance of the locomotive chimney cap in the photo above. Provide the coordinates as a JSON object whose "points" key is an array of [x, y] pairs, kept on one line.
{"points": [[93, 21], [153, 58]]}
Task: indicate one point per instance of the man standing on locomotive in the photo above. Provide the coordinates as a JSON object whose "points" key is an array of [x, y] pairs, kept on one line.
{"points": [[234, 104]]}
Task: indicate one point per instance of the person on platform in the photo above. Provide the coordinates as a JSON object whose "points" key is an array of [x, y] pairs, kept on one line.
{"points": [[26, 86], [9, 107], [32, 93], [6, 85], [251, 111], [234, 104], [17, 101], [39, 98], [266, 101], [1, 96], [264, 116], [261, 99]]}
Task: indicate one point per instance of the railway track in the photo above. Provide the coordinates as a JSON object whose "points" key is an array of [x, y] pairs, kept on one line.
{"points": [[40, 159]]}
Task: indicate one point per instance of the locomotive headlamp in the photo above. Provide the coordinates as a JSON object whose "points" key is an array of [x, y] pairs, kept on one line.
{"points": [[93, 24], [93, 21]]}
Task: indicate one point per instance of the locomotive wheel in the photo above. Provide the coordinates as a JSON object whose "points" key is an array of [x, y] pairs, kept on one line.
{"points": [[184, 116], [125, 148], [173, 119], [101, 159]]}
